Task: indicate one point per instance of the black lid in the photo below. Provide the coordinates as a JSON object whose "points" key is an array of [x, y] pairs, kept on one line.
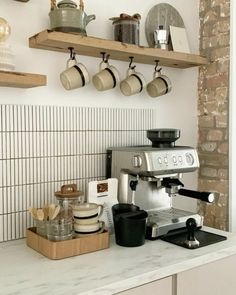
{"points": [[163, 137]]}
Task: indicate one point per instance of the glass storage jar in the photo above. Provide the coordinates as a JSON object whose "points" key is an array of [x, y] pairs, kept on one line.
{"points": [[69, 196], [126, 28], [61, 227]]}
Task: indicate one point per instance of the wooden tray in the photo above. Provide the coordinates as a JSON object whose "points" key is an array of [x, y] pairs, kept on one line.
{"points": [[64, 249]]}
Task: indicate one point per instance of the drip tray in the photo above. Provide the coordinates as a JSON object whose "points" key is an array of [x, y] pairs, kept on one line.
{"points": [[205, 238]]}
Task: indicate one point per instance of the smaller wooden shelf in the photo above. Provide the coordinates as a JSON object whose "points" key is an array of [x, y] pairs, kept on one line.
{"points": [[21, 80], [91, 46]]}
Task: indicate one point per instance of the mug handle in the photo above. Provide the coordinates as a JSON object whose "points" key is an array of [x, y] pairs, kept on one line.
{"points": [[68, 62], [156, 74], [100, 208], [101, 65], [130, 72], [102, 227]]}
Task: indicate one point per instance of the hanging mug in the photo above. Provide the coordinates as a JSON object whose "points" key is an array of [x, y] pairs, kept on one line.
{"points": [[107, 77], [133, 84], [160, 85], [75, 76]]}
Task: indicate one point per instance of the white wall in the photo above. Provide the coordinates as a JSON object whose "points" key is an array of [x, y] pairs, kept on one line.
{"points": [[178, 109]]}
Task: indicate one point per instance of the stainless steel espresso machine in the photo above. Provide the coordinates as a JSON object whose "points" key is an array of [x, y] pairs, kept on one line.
{"points": [[149, 177]]}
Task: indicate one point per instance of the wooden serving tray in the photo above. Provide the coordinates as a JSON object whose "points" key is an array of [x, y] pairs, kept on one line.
{"points": [[64, 249]]}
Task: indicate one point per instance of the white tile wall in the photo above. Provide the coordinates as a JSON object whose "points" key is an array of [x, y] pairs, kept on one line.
{"points": [[44, 147]]}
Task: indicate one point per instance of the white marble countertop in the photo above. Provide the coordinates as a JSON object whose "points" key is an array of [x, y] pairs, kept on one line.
{"points": [[24, 271]]}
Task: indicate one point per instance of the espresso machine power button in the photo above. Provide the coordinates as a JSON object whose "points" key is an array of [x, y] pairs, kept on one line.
{"points": [[137, 161]]}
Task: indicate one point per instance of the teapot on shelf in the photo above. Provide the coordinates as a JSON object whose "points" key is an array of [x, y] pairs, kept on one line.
{"points": [[66, 17]]}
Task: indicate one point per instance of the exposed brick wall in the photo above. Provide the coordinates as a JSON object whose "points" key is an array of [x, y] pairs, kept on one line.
{"points": [[213, 109]]}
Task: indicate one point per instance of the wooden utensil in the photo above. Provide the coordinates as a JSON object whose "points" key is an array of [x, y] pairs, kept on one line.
{"points": [[46, 212], [56, 211], [33, 212], [51, 209], [40, 214]]}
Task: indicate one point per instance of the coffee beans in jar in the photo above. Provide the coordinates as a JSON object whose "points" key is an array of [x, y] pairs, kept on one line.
{"points": [[126, 28]]}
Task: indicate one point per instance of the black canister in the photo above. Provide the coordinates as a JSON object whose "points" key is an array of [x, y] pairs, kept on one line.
{"points": [[129, 225]]}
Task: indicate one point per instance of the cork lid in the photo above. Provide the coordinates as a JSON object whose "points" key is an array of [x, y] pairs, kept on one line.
{"points": [[69, 191], [123, 16]]}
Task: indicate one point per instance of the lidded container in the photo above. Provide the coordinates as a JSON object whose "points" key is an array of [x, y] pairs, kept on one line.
{"points": [[61, 227], [126, 28], [66, 17], [69, 196]]}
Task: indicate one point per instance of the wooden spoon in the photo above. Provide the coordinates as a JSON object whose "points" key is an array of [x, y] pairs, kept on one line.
{"points": [[51, 209], [33, 212], [46, 212], [40, 214], [56, 211]]}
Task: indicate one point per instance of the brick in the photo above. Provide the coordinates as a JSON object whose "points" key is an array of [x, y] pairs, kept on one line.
{"points": [[206, 121], [202, 135], [218, 80], [220, 27], [225, 9], [209, 42], [221, 94], [221, 121], [213, 159], [223, 148], [211, 69], [215, 3], [208, 172], [208, 146], [212, 107], [223, 173], [223, 65], [215, 135], [210, 16], [201, 110], [224, 107], [219, 53], [223, 40], [203, 6]]}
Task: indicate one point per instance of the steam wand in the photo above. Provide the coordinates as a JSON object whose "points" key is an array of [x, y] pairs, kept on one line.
{"points": [[133, 185]]}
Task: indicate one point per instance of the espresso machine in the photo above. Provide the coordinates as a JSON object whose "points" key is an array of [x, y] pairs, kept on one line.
{"points": [[150, 176]]}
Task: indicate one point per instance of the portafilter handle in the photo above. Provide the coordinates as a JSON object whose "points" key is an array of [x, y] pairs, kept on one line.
{"points": [[208, 197]]}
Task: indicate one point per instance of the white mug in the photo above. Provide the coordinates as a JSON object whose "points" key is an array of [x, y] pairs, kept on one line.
{"points": [[160, 85], [87, 213], [133, 84], [106, 78], [75, 76]]}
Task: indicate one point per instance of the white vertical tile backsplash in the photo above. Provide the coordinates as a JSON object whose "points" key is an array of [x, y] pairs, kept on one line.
{"points": [[44, 147]]}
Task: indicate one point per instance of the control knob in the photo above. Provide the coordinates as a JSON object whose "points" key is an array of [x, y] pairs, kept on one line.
{"points": [[189, 159]]}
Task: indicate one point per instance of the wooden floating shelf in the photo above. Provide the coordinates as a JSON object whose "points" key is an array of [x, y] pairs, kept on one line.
{"points": [[91, 46], [21, 80]]}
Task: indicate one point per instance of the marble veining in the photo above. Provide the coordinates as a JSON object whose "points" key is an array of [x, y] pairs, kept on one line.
{"points": [[24, 271]]}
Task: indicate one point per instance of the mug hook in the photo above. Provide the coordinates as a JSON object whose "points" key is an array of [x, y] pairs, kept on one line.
{"points": [[130, 64], [105, 57], [157, 70], [72, 53]]}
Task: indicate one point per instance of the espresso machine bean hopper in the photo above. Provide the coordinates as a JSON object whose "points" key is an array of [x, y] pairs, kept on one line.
{"points": [[150, 176]]}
